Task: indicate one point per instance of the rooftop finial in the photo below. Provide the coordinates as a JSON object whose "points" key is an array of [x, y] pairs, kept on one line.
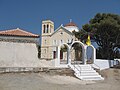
{"points": [[61, 24], [70, 20]]}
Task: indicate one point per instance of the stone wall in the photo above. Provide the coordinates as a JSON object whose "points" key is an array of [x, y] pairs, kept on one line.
{"points": [[105, 64], [14, 54]]}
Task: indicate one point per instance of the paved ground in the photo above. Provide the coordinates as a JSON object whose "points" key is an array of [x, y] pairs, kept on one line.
{"points": [[45, 81]]}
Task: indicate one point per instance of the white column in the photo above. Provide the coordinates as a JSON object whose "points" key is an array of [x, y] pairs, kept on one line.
{"points": [[57, 61], [84, 54], [68, 56], [94, 55], [45, 28], [48, 28]]}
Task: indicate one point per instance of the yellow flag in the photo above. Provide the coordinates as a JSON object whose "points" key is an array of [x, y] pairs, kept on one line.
{"points": [[88, 42]]}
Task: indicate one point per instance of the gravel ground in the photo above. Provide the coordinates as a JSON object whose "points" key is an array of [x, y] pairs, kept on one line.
{"points": [[46, 81]]}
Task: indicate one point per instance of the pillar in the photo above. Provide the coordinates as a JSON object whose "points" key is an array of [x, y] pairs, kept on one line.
{"points": [[57, 61], [84, 54], [68, 56], [94, 55]]}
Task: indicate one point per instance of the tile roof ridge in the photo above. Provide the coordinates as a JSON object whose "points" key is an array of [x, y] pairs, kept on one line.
{"points": [[18, 29], [25, 31], [7, 30]]}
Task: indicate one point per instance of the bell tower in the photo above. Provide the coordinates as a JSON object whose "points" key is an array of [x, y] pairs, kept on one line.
{"points": [[47, 27], [46, 42]]}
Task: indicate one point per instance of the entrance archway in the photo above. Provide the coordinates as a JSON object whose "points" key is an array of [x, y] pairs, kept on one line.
{"points": [[64, 53], [92, 57], [67, 58], [89, 52], [77, 52]]}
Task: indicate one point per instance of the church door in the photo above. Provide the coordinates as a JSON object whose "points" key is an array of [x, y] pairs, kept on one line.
{"points": [[54, 54], [61, 55]]}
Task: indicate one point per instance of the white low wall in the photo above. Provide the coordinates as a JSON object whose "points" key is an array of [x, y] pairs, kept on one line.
{"points": [[18, 55], [104, 64]]}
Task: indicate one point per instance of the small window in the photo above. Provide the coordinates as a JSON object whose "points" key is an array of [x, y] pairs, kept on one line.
{"points": [[43, 28], [68, 40], [47, 28], [45, 50], [45, 41], [61, 41], [61, 33], [54, 42]]}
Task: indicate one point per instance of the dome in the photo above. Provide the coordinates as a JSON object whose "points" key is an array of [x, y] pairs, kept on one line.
{"points": [[70, 24], [71, 27]]}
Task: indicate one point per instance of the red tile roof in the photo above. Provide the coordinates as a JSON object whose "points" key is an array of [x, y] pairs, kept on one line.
{"points": [[71, 24], [18, 32]]}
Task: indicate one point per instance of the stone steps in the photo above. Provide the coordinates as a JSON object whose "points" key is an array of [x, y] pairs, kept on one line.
{"points": [[85, 72], [92, 78]]}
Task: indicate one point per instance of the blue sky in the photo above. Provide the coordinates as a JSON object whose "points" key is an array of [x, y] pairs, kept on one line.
{"points": [[28, 14]]}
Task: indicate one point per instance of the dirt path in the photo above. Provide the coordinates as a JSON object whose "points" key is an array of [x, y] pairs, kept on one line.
{"points": [[43, 81]]}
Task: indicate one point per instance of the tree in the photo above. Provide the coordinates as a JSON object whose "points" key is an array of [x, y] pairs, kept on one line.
{"points": [[105, 31], [64, 48], [78, 51]]}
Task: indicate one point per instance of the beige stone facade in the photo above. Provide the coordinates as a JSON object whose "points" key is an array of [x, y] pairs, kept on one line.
{"points": [[51, 38]]}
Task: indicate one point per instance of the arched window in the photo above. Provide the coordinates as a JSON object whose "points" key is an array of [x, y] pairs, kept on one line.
{"points": [[43, 28], [45, 50], [45, 41], [47, 28], [68, 41], [61, 41], [54, 42]]}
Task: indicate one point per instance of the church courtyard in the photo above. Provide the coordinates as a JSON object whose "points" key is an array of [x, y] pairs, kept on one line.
{"points": [[58, 81]]}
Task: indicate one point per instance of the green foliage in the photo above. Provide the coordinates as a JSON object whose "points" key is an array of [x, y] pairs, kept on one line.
{"points": [[64, 48], [81, 35], [105, 31], [77, 47], [106, 28], [78, 51]]}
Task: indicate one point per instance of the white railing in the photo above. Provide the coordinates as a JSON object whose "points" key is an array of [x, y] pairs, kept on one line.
{"points": [[75, 67], [98, 67]]}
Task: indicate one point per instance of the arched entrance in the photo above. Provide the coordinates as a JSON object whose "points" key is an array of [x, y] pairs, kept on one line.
{"points": [[91, 54], [64, 53], [79, 58], [77, 52]]}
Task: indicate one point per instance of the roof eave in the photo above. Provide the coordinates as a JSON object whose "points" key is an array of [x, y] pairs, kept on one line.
{"points": [[19, 35]]}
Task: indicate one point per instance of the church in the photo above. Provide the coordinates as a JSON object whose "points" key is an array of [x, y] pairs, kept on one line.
{"points": [[51, 38], [59, 49]]}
